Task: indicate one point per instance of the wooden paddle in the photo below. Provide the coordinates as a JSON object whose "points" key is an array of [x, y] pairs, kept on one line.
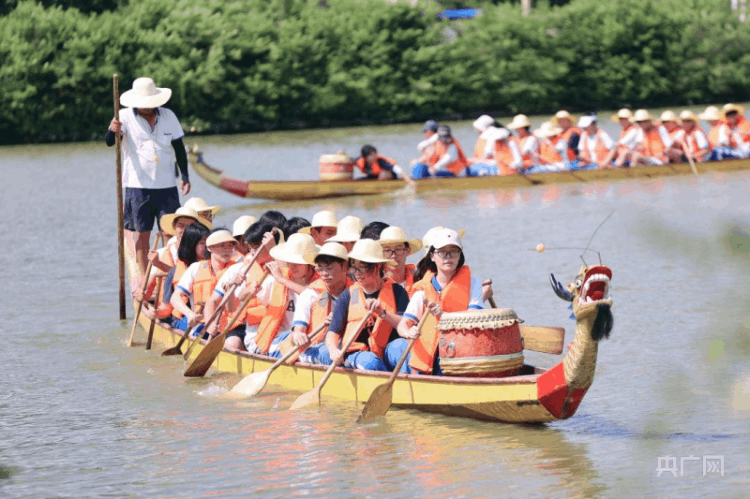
{"points": [[215, 345], [143, 292], [543, 339], [313, 396], [120, 216], [488, 282], [159, 281], [381, 397], [252, 384], [689, 155]]}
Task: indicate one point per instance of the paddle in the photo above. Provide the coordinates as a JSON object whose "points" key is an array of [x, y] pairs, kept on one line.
{"points": [[120, 217], [252, 384], [488, 282], [381, 397], [543, 339], [215, 345], [689, 155], [313, 396], [159, 281], [143, 292]]}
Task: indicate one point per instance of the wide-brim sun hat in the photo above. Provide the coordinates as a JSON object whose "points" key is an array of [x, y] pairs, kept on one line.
{"points": [[369, 251], [548, 129], [321, 219], [519, 121], [493, 134], [335, 250], [728, 108], [641, 115], [199, 205], [240, 226], [396, 235], [483, 123], [430, 234], [586, 121], [145, 95], [668, 116], [561, 114], [622, 114], [348, 230], [294, 249], [711, 113], [219, 237], [687, 115], [166, 221], [446, 237]]}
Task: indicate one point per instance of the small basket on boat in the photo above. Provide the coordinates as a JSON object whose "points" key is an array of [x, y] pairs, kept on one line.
{"points": [[480, 343], [339, 166]]}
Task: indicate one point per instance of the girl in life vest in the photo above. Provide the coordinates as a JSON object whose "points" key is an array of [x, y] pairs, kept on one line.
{"points": [[450, 288], [371, 291], [397, 247], [291, 274], [198, 281]]}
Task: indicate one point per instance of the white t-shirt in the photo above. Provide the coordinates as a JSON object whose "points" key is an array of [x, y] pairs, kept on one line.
{"points": [[264, 296], [427, 142], [148, 157], [416, 307]]}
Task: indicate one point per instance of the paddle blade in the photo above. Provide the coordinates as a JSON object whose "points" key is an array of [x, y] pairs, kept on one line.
{"points": [[249, 386], [543, 339], [205, 357], [175, 350], [306, 399], [378, 404]]}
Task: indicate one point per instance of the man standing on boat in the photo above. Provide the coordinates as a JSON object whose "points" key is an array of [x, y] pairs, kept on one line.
{"points": [[151, 144]]}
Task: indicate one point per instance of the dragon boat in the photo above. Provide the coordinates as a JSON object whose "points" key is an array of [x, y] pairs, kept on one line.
{"points": [[534, 395], [319, 189]]}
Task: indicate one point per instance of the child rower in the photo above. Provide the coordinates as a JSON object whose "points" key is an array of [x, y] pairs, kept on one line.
{"points": [[199, 280], [712, 115], [348, 232], [398, 247], [322, 227], [377, 167], [371, 289], [596, 147], [527, 143], [696, 141], [174, 224], [448, 158], [204, 211], [239, 227], [449, 287], [734, 133]]}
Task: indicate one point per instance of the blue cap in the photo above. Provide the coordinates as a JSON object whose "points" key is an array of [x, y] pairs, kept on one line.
{"points": [[430, 125]]}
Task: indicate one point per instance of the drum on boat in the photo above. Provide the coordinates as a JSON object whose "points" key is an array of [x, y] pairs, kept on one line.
{"points": [[480, 343], [339, 166]]}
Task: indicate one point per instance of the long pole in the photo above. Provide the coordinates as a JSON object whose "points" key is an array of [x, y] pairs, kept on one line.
{"points": [[120, 227]]}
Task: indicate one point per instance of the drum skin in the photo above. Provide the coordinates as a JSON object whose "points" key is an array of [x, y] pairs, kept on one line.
{"points": [[480, 343], [336, 167]]}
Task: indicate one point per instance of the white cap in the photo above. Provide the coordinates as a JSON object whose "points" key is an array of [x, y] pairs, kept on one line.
{"points": [[586, 121], [242, 224], [445, 237], [483, 123]]}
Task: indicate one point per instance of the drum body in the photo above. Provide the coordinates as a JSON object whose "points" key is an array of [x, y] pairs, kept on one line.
{"points": [[336, 167], [480, 343]]}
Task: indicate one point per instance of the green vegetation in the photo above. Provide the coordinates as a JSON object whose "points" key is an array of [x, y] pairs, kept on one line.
{"points": [[261, 64]]}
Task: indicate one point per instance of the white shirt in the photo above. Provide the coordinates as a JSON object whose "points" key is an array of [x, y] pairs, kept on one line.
{"points": [[415, 309], [635, 137], [148, 157], [590, 143], [304, 305], [427, 142], [529, 145]]}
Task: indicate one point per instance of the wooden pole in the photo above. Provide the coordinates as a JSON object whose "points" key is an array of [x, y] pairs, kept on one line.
{"points": [[120, 227]]}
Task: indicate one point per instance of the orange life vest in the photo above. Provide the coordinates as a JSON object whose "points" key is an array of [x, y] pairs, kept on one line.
{"points": [[572, 154], [742, 126], [381, 330], [205, 280], [457, 165], [713, 135], [599, 149], [274, 317], [254, 311], [503, 158], [652, 145], [528, 162], [547, 152], [622, 149], [479, 148], [453, 298], [374, 168], [166, 256]]}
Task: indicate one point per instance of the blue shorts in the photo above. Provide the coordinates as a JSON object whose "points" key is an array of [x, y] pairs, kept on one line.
{"points": [[142, 206]]}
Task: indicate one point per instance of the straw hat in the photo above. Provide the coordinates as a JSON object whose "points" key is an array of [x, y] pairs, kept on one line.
{"points": [[519, 121], [240, 226], [446, 237], [623, 113], [641, 115], [335, 250], [396, 235], [294, 249], [483, 123], [145, 95], [728, 108], [166, 221], [586, 121], [548, 129], [711, 114], [561, 114], [688, 115], [493, 134], [199, 205], [347, 230], [369, 251], [218, 237], [321, 219], [427, 239], [668, 116]]}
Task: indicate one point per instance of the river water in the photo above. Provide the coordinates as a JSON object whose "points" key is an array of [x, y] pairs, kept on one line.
{"points": [[81, 415]]}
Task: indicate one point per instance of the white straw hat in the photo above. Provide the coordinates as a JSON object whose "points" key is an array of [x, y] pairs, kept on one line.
{"points": [[369, 251], [218, 237], [561, 114], [711, 114], [240, 226], [199, 205], [641, 115], [294, 249], [166, 221], [548, 129], [519, 121], [728, 108], [668, 116], [145, 95], [347, 230], [446, 237], [622, 114], [493, 134], [688, 115], [396, 235], [335, 250], [321, 219], [586, 121], [483, 123]]}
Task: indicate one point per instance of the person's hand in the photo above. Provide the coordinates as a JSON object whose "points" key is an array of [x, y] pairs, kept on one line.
{"points": [[413, 333], [328, 319], [268, 241], [194, 319], [115, 126], [275, 269], [249, 290], [487, 291], [432, 170], [153, 256], [435, 309], [184, 187], [299, 338], [213, 330], [374, 305], [138, 294], [337, 356], [236, 280]]}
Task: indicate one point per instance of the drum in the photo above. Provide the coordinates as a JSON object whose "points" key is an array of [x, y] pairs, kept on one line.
{"points": [[480, 343], [338, 166]]}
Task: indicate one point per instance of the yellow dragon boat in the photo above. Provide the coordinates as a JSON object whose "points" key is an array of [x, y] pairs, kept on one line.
{"points": [[536, 395], [318, 189]]}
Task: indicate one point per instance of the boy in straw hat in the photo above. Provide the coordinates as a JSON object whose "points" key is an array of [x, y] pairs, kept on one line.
{"points": [[551, 149], [198, 281], [397, 246], [647, 144], [348, 232], [371, 289], [713, 116], [734, 134], [570, 134], [205, 211], [696, 141], [152, 143], [322, 227]]}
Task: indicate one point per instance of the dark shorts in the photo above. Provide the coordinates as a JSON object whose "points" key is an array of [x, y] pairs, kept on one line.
{"points": [[239, 332], [142, 206]]}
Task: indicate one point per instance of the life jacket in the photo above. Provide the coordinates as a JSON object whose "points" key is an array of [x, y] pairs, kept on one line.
{"points": [[528, 162], [479, 148], [275, 312], [622, 149], [572, 153], [409, 282], [457, 165], [374, 168], [381, 330], [713, 136], [453, 298], [205, 281], [736, 141], [600, 151], [547, 152], [254, 310], [504, 158], [167, 257], [652, 145], [677, 135]]}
